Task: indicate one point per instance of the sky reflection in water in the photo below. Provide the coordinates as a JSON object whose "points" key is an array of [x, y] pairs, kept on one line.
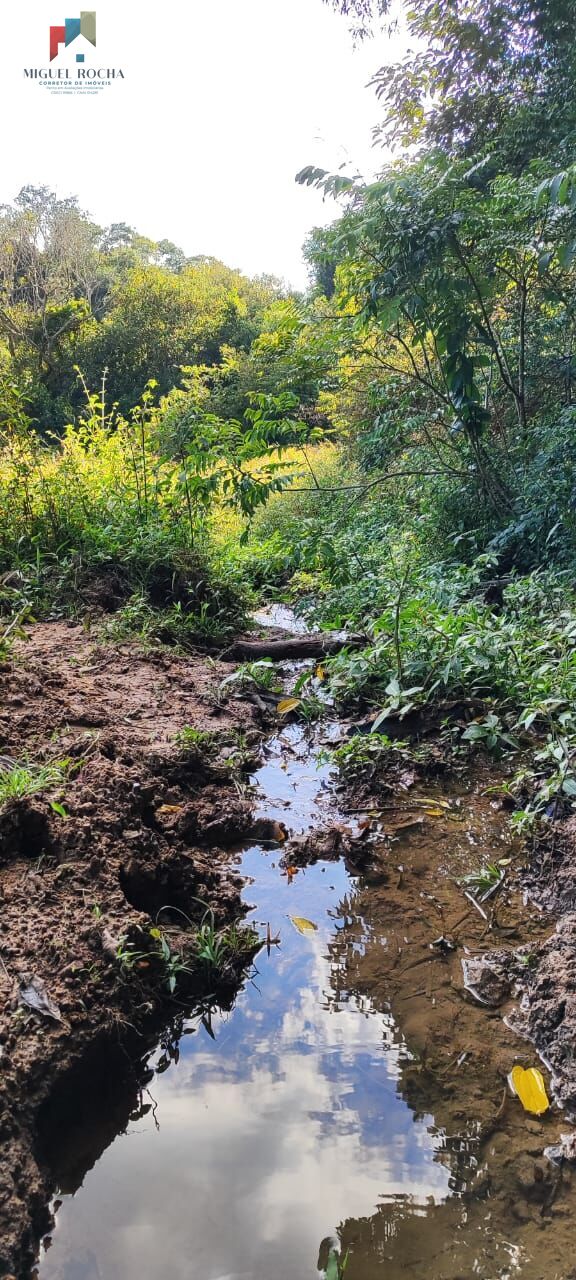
{"points": [[271, 1135]]}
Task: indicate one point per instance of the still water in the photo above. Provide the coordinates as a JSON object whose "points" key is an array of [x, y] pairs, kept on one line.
{"points": [[291, 1119], [266, 1137], [270, 1135]]}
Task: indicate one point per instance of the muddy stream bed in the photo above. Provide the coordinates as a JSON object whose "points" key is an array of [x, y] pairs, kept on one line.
{"points": [[355, 1092]]}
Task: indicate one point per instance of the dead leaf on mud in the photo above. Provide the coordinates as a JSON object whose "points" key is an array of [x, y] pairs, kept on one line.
{"points": [[432, 802], [170, 808], [393, 825], [34, 995], [302, 924], [287, 704], [528, 1085]]}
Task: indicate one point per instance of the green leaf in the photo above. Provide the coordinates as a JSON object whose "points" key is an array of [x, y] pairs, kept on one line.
{"points": [[333, 1269], [566, 254]]}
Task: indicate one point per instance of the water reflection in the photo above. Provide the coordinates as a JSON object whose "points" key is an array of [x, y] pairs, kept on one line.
{"points": [[283, 1129]]}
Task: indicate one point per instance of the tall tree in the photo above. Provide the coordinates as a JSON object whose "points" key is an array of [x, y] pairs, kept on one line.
{"points": [[496, 74]]}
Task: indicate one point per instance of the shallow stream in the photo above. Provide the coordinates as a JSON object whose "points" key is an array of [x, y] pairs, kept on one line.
{"points": [[347, 1093]]}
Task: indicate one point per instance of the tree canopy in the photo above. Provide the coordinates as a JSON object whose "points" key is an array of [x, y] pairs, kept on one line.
{"points": [[478, 74]]}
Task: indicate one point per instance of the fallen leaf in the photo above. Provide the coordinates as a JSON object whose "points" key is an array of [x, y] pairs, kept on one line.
{"points": [[431, 800], [434, 813], [169, 808], [528, 1085], [302, 925], [392, 825], [35, 996], [290, 872], [287, 704], [320, 673]]}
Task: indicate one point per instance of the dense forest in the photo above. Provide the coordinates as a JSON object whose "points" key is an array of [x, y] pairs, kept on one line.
{"points": [[391, 453], [396, 444]]}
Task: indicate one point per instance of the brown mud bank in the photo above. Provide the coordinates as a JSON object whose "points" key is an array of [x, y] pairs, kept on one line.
{"points": [[546, 1013], [140, 826], [525, 966], [143, 833], [427, 958], [381, 1016]]}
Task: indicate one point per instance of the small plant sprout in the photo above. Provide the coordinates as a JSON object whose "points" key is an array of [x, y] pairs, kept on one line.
{"points": [[489, 732], [28, 779], [201, 739], [487, 879], [253, 675]]}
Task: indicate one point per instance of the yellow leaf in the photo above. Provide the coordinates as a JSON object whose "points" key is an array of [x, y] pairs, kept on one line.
{"points": [[287, 704], [320, 673], [430, 800], [169, 808], [530, 1088], [302, 925], [434, 813]]}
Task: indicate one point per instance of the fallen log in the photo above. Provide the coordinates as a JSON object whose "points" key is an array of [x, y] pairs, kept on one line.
{"points": [[317, 646]]}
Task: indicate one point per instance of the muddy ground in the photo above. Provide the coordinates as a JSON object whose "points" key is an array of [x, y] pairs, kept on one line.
{"points": [[511, 1200], [522, 941], [144, 822]]}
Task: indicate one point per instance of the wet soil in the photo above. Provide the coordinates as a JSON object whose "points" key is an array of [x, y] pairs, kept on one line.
{"points": [[430, 996], [547, 1011], [141, 824], [357, 1089]]}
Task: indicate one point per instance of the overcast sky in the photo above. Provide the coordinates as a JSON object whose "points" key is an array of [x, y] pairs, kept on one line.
{"points": [[223, 101]]}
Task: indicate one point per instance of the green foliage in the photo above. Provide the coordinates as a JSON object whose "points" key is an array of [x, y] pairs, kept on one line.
{"points": [[453, 329], [202, 740], [158, 321], [253, 675], [487, 878], [488, 732], [336, 1261], [216, 951], [115, 302], [364, 755], [477, 74], [15, 627], [28, 779], [434, 353], [128, 502]]}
